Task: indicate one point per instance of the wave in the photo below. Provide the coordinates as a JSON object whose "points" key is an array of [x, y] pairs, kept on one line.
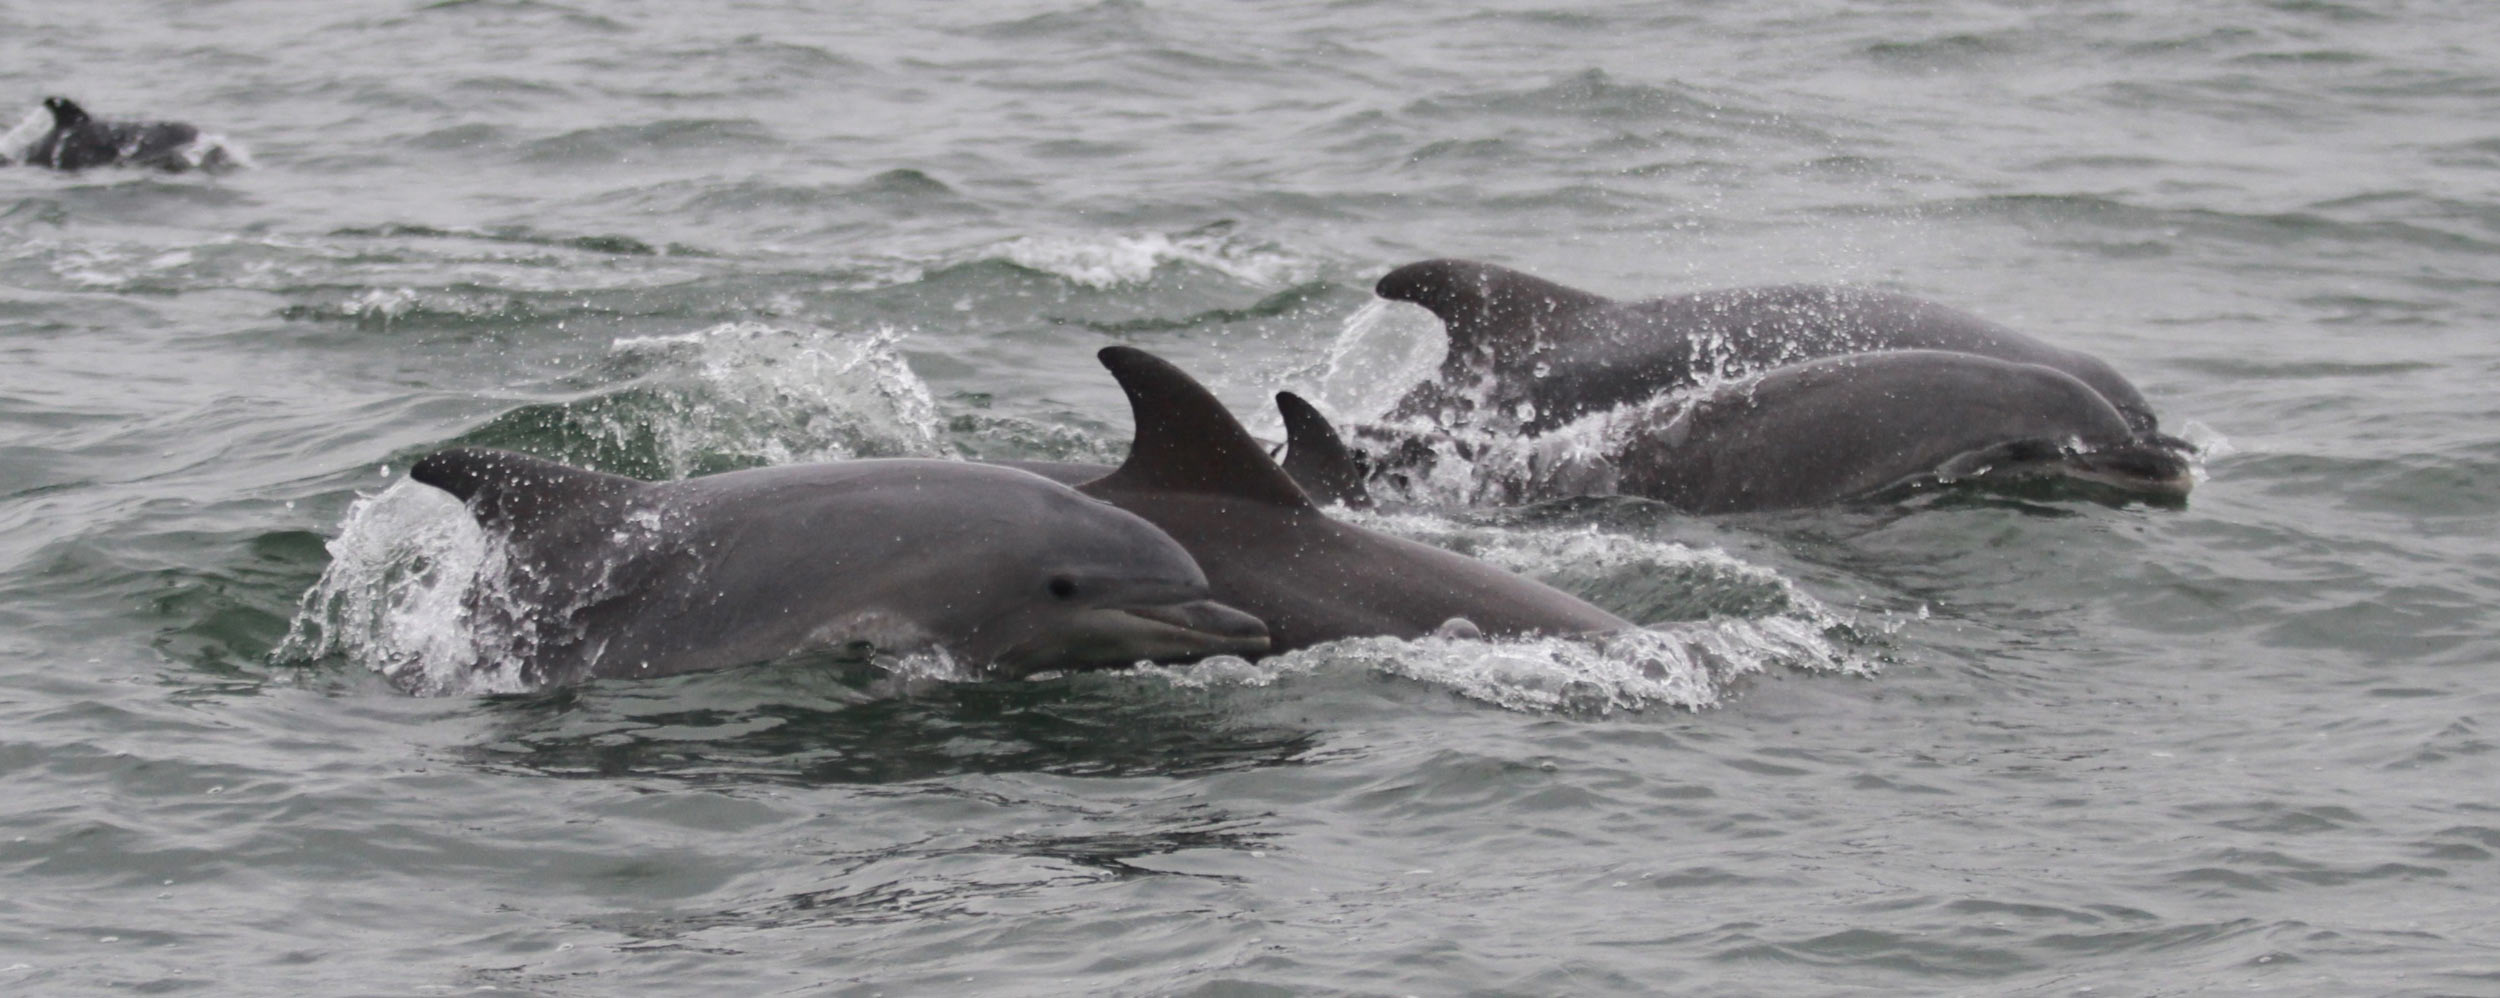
{"points": [[1102, 261], [675, 137]]}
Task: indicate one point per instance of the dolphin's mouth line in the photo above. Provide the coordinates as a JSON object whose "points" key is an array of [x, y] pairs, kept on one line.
{"points": [[2154, 466], [1227, 631], [1160, 632], [1176, 615]]}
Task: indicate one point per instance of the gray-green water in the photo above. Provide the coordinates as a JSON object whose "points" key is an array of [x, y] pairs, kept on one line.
{"points": [[1966, 746]]}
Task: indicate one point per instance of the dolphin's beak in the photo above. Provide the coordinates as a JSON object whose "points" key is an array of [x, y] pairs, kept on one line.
{"points": [[1225, 631], [1112, 636], [2155, 464]]}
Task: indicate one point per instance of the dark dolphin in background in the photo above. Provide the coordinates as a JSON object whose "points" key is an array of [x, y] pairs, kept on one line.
{"points": [[1857, 426], [1195, 472], [608, 576], [74, 140], [1568, 353]]}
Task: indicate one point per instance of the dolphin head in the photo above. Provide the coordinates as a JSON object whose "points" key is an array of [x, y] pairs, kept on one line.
{"points": [[1081, 584], [1002, 569], [2154, 467], [1107, 620]]}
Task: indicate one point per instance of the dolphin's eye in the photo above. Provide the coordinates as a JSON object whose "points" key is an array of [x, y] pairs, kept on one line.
{"points": [[1063, 587]]}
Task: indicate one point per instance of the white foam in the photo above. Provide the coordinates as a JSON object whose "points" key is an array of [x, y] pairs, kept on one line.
{"points": [[1109, 261], [21, 140], [1689, 664], [1381, 350], [396, 595], [215, 153]]}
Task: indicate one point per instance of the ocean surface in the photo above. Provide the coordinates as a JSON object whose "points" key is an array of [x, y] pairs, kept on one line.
{"points": [[1967, 744]]}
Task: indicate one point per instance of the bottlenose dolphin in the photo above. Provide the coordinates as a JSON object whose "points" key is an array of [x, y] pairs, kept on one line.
{"points": [[609, 576], [63, 136], [1831, 430], [1195, 472], [1561, 353]]}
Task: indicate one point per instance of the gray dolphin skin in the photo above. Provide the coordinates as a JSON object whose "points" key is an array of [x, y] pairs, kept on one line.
{"points": [[1857, 426], [1853, 427], [1195, 472], [1317, 457], [606, 576], [75, 140], [1568, 353]]}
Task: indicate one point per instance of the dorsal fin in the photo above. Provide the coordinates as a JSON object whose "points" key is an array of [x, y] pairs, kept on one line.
{"points": [[1317, 458], [1186, 441], [65, 112], [515, 493], [1489, 311]]}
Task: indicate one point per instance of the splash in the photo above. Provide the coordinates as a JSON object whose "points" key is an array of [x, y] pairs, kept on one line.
{"points": [[1380, 350], [211, 152], [21, 139], [1716, 619], [1692, 666], [396, 595], [750, 393]]}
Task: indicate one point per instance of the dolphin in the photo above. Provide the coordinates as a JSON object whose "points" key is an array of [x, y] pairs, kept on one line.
{"points": [[606, 576], [1545, 354], [63, 136], [1195, 472], [1832, 430], [1863, 425]]}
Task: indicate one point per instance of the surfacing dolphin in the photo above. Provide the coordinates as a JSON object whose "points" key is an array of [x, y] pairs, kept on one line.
{"points": [[63, 136], [1837, 429], [1195, 472], [1518, 340], [606, 576]]}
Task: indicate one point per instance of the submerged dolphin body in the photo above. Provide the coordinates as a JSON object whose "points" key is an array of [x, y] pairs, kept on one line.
{"points": [[1826, 431], [1195, 472], [1561, 353], [605, 576]]}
